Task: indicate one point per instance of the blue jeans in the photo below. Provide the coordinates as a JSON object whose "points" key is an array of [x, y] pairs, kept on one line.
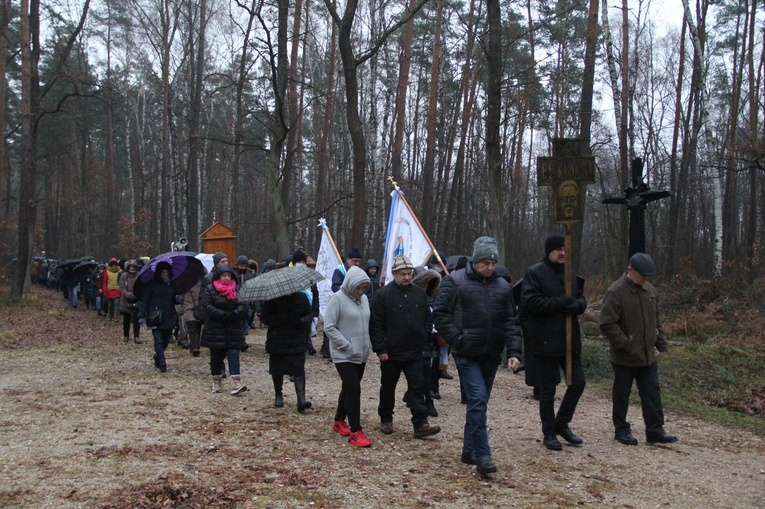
{"points": [[162, 338], [216, 361], [74, 294], [477, 379]]}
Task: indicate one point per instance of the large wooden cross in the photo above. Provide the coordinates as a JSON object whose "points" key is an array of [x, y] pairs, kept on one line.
{"points": [[568, 172]]}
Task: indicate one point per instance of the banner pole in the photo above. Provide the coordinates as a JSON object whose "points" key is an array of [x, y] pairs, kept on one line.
{"points": [[323, 224]]}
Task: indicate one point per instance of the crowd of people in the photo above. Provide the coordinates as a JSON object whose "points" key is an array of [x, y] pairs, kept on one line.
{"points": [[411, 324]]}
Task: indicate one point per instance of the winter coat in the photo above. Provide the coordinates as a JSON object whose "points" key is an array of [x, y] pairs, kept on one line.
{"points": [[431, 280], [242, 276], [289, 324], [127, 280], [374, 281], [110, 286], [346, 321], [190, 302], [476, 316], [401, 322], [544, 307], [160, 296], [629, 319], [338, 276], [223, 318]]}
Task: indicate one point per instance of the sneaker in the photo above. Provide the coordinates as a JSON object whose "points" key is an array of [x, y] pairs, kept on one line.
{"points": [[138, 341], [342, 428], [359, 439], [426, 430]]}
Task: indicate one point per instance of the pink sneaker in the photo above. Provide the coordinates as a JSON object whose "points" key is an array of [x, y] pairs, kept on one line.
{"points": [[342, 428], [359, 439]]}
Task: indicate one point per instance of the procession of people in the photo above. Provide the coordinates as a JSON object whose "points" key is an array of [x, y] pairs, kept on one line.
{"points": [[471, 312]]}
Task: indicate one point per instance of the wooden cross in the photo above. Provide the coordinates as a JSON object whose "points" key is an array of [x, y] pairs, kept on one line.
{"points": [[568, 172]]}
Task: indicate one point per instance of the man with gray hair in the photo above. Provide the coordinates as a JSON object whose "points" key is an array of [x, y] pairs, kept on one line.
{"points": [[475, 314], [629, 319]]}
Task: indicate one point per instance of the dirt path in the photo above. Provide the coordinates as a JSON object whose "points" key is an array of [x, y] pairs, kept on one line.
{"points": [[87, 421]]}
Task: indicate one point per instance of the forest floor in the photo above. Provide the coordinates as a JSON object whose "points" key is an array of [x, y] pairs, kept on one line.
{"points": [[87, 421]]}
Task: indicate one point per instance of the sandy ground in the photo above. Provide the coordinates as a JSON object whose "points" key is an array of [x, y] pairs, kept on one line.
{"points": [[91, 423]]}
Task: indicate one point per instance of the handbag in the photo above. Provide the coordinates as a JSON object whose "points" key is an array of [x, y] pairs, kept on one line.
{"points": [[132, 307], [154, 318]]}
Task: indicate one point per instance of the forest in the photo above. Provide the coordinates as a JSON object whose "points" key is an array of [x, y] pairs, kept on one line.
{"points": [[131, 123]]}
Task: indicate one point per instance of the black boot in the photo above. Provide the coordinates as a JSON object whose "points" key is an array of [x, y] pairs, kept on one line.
{"points": [[278, 383], [302, 404]]}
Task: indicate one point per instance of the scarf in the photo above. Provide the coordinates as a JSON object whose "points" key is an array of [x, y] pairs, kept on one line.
{"points": [[226, 288]]}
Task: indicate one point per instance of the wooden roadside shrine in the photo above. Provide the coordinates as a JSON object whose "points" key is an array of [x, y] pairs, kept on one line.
{"points": [[219, 237]]}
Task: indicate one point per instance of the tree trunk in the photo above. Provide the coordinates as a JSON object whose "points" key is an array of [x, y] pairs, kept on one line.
{"points": [[493, 119], [401, 90], [195, 134], [4, 17], [678, 192]]}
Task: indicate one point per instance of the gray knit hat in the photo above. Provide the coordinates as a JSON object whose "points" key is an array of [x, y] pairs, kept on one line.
{"points": [[217, 257], [485, 248]]}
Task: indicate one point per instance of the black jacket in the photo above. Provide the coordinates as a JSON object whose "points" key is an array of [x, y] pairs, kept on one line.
{"points": [[401, 323], [476, 316], [158, 295], [289, 324], [545, 306], [223, 318]]}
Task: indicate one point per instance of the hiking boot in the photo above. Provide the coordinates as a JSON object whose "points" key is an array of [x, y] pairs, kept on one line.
{"points": [[551, 442], [163, 368], [426, 430], [195, 352], [126, 339], [359, 439], [279, 400], [342, 428], [216, 384], [386, 428], [137, 341], [568, 435], [485, 465], [236, 385]]}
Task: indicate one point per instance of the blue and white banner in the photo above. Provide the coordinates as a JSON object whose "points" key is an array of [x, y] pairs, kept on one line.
{"points": [[326, 263], [404, 237]]}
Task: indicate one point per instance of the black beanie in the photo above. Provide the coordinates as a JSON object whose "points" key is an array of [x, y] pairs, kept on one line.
{"points": [[554, 242], [354, 253], [298, 257]]}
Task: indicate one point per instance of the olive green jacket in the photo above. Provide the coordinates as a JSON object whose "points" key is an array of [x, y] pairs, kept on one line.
{"points": [[629, 319]]}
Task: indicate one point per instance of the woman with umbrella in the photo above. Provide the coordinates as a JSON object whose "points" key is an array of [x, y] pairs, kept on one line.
{"points": [[223, 331], [157, 310], [289, 320], [129, 302]]}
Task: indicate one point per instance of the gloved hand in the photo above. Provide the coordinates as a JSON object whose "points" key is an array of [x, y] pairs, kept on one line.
{"points": [[141, 321], [179, 299]]}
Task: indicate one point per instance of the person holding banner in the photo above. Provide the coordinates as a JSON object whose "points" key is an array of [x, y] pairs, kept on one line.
{"points": [[401, 328], [545, 307], [475, 314]]}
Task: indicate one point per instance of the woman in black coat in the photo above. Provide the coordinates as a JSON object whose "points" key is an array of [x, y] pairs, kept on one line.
{"points": [[223, 331], [289, 326], [159, 297]]}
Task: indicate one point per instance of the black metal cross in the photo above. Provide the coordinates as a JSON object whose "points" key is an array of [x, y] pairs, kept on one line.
{"points": [[636, 197]]}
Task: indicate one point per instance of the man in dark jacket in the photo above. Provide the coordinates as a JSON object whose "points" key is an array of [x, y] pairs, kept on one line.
{"points": [[475, 314], [545, 308], [400, 328], [629, 319]]}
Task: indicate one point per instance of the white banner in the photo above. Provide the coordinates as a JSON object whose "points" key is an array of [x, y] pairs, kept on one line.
{"points": [[404, 237], [326, 263]]}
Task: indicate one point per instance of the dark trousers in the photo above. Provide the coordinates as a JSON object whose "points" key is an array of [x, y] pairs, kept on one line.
{"points": [[127, 320], [647, 378], [435, 374], [193, 328], [349, 400], [548, 375], [390, 372]]}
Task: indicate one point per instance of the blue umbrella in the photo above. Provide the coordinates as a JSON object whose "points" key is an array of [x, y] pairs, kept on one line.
{"points": [[186, 271]]}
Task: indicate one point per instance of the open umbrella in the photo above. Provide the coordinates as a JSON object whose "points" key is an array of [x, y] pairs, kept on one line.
{"points": [[279, 282], [187, 271]]}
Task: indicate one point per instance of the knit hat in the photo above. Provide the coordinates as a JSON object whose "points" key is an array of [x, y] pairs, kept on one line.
{"points": [[242, 260], [402, 262], [485, 248], [270, 265], [217, 257], [114, 261], [354, 253], [643, 263], [553, 242], [299, 257]]}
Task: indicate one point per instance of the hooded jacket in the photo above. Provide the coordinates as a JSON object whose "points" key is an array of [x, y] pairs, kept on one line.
{"points": [[401, 322], [374, 281], [629, 319], [159, 295], [476, 316], [223, 318], [346, 321]]}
